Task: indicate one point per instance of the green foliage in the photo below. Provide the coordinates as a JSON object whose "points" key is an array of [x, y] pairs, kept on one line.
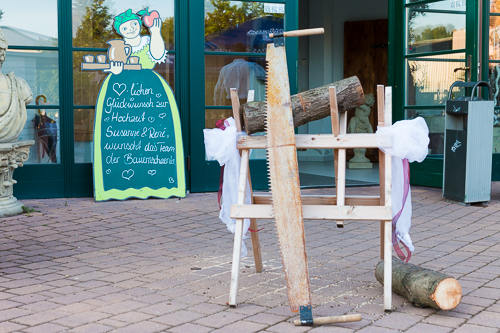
{"points": [[27, 210], [95, 26], [436, 33], [414, 12], [225, 16], [167, 31], [1, 13]]}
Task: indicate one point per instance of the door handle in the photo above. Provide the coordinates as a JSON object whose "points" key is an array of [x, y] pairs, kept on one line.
{"points": [[461, 69]]}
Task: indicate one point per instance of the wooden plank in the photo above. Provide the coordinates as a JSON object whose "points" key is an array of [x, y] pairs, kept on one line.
{"points": [[350, 200], [319, 141], [238, 233], [235, 102], [388, 266], [317, 212], [334, 111], [388, 203], [381, 162], [341, 170]]}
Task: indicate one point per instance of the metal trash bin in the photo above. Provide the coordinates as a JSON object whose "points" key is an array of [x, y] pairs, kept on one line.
{"points": [[468, 146]]}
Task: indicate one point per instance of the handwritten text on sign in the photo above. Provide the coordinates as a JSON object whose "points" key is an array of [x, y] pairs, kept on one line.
{"points": [[137, 134]]}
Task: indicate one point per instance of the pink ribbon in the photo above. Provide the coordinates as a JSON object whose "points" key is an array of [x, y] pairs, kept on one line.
{"points": [[395, 243]]}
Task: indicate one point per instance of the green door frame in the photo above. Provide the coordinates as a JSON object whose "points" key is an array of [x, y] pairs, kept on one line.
{"points": [[430, 171], [205, 174], [495, 176]]}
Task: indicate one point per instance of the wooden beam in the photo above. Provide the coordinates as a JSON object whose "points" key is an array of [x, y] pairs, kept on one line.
{"points": [[235, 101], [350, 200], [238, 233], [317, 212], [319, 141], [381, 162]]}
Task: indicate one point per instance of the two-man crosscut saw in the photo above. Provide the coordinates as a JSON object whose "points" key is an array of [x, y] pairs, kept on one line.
{"points": [[284, 176]]}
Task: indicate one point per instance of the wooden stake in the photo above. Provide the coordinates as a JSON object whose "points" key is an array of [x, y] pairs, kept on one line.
{"points": [[381, 163], [253, 222], [332, 320], [238, 233], [387, 203]]}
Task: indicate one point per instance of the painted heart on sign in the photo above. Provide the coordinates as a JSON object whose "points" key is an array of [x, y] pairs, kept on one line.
{"points": [[152, 172], [106, 119], [119, 88], [162, 115], [108, 171], [127, 174], [151, 119], [158, 95]]}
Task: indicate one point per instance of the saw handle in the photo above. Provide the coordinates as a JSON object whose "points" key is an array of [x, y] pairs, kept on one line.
{"points": [[299, 33], [332, 320]]}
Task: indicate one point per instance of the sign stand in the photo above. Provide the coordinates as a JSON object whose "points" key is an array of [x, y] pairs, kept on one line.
{"points": [[339, 207]]}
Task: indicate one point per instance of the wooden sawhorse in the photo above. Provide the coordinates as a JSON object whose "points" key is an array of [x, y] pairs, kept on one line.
{"points": [[338, 207]]}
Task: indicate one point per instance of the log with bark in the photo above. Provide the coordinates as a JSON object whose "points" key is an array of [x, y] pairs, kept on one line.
{"points": [[309, 105], [422, 287]]}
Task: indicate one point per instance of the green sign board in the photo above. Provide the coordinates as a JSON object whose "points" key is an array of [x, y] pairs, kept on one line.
{"points": [[138, 149]]}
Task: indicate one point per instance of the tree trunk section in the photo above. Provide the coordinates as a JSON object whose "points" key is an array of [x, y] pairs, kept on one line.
{"points": [[422, 287], [309, 105]]}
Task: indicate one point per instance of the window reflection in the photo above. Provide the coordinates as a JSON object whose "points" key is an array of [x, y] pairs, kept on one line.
{"points": [[84, 128], [226, 72], [43, 126], [93, 20], [429, 78], [30, 22], [430, 31], [230, 24], [39, 68], [86, 84]]}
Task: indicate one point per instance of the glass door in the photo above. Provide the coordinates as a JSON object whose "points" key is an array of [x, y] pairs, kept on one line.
{"points": [[228, 41], [438, 49]]}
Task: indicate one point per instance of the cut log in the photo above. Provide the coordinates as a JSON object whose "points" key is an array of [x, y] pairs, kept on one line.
{"points": [[422, 287], [309, 105]]}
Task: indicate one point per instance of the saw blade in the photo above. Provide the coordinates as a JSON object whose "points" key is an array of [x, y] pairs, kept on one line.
{"points": [[284, 176]]}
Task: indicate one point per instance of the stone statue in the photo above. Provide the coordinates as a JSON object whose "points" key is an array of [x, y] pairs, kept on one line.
{"points": [[360, 123], [14, 95]]}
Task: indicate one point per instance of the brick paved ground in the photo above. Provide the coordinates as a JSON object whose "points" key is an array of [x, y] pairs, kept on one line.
{"points": [[164, 266]]}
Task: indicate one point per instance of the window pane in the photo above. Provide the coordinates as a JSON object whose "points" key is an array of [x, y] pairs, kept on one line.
{"points": [[93, 20], [494, 6], [214, 115], [225, 72], [236, 26], [435, 123], [84, 129], [39, 68], [429, 78], [167, 70], [86, 84], [428, 31], [42, 126], [30, 22]]}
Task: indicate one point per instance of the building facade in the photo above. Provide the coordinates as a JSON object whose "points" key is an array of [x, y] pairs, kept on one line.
{"points": [[418, 47]]}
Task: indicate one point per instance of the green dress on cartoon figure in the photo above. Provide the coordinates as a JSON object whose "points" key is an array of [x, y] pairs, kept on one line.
{"points": [[138, 149]]}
